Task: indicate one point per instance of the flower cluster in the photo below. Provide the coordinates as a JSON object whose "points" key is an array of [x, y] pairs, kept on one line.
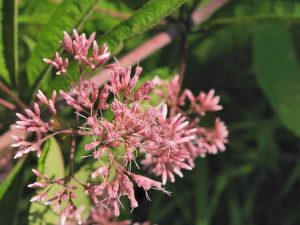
{"points": [[79, 49], [101, 216], [165, 137], [207, 140]]}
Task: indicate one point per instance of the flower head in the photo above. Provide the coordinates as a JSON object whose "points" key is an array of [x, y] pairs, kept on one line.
{"points": [[124, 130]]}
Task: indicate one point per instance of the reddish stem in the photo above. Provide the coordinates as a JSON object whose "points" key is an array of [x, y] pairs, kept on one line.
{"points": [[161, 40], [12, 95], [7, 104], [143, 51], [71, 159]]}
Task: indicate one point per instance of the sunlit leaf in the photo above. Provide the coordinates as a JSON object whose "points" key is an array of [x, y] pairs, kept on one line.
{"points": [[142, 20], [51, 164], [68, 15]]}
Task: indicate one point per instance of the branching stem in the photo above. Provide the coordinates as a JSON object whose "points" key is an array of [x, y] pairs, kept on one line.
{"points": [[12, 95]]}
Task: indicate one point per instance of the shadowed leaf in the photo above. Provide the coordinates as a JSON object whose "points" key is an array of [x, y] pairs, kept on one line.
{"points": [[278, 72], [10, 193]]}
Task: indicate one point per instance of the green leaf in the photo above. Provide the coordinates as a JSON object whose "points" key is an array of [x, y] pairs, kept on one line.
{"points": [[223, 181], [278, 72], [208, 47], [80, 151], [254, 12], [3, 71], [201, 193], [10, 38], [40, 11], [68, 15], [82, 200], [10, 193], [291, 181], [142, 20], [235, 213], [50, 163]]}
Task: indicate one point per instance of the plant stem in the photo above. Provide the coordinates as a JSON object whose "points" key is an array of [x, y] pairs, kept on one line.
{"points": [[183, 53], [161, 40], [68, 131], [12, 95], [147, 48], [7, 104], [71, 159]]}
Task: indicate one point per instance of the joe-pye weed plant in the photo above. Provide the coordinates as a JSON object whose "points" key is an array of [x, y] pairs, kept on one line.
{"points": [[101, 123], [162, 138]]}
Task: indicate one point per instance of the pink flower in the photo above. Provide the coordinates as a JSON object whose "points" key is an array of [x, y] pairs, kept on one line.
{"points": [[24, 147], [71, 101], [122, 126], [202, 103], [58, 63], [86, 96], [103, 171], [91, 145], [207, 102], [67, 43], [102, 105], [39, 198], [142, 93], [102, 216], [98, 57], [49, 102], [214, 140], [70, 212], [146, 183], [164, 157], [33, 122], [108, 194], [38, 185], [120, 80], [79, 48]]}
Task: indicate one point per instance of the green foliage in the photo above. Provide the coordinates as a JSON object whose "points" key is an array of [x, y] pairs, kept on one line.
{"points": [[138, 23], [10, 193], [36, 12], [50, 163], [252, 12], [10, 34], [278, 74], [71, 14], [201, 193], [83, 175], [3, 70], [142, 20], [252, 62]]}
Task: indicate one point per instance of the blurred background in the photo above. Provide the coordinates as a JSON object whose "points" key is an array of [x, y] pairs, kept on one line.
{"points": [[249, 52]]}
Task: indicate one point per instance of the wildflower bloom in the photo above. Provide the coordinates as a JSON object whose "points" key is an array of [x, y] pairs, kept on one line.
{"points": [[207, 141], [32, 121], [165, 136], [216, 138], [25, 147], [58, 63], [79, 47], [101, 216], [48, 102], [63, 197]]}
